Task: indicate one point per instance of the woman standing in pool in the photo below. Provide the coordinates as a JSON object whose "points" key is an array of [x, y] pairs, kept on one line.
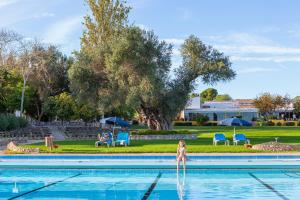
{"points": [[181, 154]]}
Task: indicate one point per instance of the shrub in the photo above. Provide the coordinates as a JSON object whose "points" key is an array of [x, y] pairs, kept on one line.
{"points": [[13, 122], [254, 119], [22, 122], [177, 123], [211, 124], [202, 119], [162, 132], [3, 122], [298, 124], [135, 122], [290, 123], [270, 123], [273, 117], [279, 124]]}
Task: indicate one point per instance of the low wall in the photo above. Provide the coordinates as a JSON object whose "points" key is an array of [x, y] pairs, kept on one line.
{"points": [[164, 137]]}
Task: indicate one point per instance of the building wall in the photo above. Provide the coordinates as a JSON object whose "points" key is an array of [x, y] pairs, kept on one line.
{"points": [[216, 115]]}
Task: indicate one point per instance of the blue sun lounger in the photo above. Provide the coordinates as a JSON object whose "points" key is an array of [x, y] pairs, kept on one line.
{"points": [[122, 139], [240, 137], [220, 137]]}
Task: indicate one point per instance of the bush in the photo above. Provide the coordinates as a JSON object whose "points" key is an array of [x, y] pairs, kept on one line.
{"points": [[22, 122], [298, 124], [254, 119], [177, 123], [211, 124], [3, 122], [273, 117], [279, 124], [270, 123], [13, 122], [202, 119], [162, 132], [290, 123]]}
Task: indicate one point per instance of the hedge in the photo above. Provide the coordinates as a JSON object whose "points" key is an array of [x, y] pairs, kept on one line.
{"points": [[162, 132], [183, 123], [290, 124]]}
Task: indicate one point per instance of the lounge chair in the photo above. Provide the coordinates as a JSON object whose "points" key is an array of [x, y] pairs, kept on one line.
{"points": [[107, 142], [122, 139], [220, 137], [240, 137]]}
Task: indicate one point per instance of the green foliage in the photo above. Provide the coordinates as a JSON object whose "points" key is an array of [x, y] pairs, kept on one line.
{"points": [[161, 132], [202, 119], [290, 123], [279, 124], [211, 124], [268, 103], [86, 112], [193, 95], [3, 122], [107, 20], [296, 104], [122, 66], [63, 106], [270, 123], [223, 97], [13, 122], [208, 95], [22, 122], [183, 123]]}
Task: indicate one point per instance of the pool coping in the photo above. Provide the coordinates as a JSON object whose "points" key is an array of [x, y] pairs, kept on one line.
{"points": [[157, 154]]}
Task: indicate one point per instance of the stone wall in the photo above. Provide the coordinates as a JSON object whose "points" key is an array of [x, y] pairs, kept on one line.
{"points": [[28, 133]]}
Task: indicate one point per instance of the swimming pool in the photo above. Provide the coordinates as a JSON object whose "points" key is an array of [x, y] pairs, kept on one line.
{"points": [[93, 177]]}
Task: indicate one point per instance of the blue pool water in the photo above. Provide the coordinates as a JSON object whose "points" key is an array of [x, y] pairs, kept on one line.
{"points": [[41, 178]]}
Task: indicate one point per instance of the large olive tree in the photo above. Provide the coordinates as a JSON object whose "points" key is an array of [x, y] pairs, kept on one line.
{"points": [[132, 67]]}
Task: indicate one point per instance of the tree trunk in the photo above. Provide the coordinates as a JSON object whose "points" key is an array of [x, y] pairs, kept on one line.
{"points": [[22, 97], [156, 121]]}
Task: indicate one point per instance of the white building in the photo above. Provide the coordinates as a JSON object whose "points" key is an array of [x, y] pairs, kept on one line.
{"points": [[217, 111]]}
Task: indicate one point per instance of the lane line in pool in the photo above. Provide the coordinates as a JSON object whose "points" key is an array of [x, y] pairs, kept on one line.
{"points": [[152, 186], [294, 175], [37, 189], [269, 187]]}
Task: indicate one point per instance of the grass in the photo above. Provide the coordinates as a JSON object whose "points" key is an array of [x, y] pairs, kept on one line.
{"points": [[203, 144]]}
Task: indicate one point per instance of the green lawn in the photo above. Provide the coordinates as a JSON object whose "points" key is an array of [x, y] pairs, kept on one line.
{"points": [[202, 145]]}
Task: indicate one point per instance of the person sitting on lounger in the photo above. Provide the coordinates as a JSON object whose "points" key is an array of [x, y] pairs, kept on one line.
{"points": [[181, 154], [104, 138]]}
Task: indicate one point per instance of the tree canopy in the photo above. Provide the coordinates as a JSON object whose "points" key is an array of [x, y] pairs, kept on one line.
{"points": [[268, 103], [296, 103], [131, 68], [208, 95], [223, 97]]}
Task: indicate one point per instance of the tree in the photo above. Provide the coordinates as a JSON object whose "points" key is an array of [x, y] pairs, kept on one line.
{"points": [[9, 45], [208, 95], [268, 103], [135, 72], [296, 104], [86, 112], [48, 74], [193, 95], [223, 97], [63, 106]]}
